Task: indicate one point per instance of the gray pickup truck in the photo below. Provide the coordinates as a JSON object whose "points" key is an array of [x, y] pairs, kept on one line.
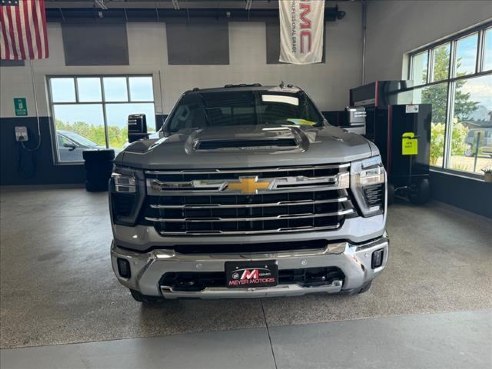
{"points": [[248, 192]]}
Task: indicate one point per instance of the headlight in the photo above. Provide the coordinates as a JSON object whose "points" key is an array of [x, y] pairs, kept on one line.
{"points": [[371, 176], [124, 183], [126, 195], [368, 185]]}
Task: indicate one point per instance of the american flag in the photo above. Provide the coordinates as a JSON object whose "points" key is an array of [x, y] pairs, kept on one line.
{"points": [[23, 30]]}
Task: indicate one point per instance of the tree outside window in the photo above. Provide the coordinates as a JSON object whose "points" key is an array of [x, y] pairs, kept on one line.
{"points": [[471, 109]]}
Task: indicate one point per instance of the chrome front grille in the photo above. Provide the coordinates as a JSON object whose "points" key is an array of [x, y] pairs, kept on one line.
{"points": [[244, 202]]}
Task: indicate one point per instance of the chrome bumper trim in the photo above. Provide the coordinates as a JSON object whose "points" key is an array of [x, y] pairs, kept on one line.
{"points": [[353, 259], [276, 291]]}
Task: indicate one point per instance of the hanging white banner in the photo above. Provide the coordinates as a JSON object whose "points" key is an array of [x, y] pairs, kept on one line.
{"points": [[301, 31]]}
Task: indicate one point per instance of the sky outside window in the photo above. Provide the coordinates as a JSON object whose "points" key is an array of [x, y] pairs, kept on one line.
{"points": [[487, 60], [466, 55], [141, 89], [419, 68], [115, 89], [89, 89], [63, 89], [480, 90], [117, 114]]}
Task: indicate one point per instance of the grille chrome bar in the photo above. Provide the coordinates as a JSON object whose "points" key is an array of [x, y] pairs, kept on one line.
{"points": [[252, 171], [264, 205], [236, 233], [275, 185], [253, 219], [258, 192]]}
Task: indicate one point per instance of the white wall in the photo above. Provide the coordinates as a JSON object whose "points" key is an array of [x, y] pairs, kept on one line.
{"points": [[395, 28], [327, 84]]}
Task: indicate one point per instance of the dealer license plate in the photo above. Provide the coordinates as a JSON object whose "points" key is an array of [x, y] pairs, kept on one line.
{"points": [[251, 274]]}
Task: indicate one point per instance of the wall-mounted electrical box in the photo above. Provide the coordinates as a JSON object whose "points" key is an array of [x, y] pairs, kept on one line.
{"points": [[21, 134]]}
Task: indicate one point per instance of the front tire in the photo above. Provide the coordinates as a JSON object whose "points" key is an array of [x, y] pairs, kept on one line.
{"points": [[365, 287], [357, 291], [146, 300]]}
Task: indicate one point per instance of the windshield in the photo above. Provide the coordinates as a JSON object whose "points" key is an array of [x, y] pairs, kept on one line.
{"points": [[234, 108], [81, 140]]}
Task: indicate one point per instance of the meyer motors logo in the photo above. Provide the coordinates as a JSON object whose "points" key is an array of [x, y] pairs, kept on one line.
{"points": [[251, 276], [248, 185]]}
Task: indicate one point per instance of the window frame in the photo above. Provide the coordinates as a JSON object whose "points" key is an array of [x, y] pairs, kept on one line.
{"points": [[102, 102], [451, 81], [481, 41]]}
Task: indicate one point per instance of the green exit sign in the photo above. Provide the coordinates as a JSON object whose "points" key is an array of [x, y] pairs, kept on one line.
{"points": [[20, 106]]}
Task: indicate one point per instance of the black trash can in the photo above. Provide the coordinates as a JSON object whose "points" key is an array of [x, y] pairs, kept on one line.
{"points": [[98, 168]]}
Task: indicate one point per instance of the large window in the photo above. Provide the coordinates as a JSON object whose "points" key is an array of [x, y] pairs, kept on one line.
{"points": [[92, 111], [455, 76]]}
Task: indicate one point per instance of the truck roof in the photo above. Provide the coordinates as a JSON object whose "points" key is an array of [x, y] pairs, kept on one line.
{"points": [[247, 87]]}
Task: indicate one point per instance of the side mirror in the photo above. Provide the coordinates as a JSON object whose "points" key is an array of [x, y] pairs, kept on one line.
{"points": [[356, 119], [137, 127], [70, 147]]}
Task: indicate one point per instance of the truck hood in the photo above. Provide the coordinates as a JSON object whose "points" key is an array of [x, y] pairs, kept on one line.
{"points": [[247, 147]]}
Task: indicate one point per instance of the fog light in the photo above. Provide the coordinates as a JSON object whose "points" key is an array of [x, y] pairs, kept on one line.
{"points": [[124, 268], [377, 258]]}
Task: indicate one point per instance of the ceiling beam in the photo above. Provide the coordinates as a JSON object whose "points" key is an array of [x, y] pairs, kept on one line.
{"points": [[159, 15], [170, 4]]}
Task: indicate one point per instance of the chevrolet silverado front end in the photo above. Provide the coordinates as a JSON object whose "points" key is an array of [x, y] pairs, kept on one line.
{"points": [[248, 192]]}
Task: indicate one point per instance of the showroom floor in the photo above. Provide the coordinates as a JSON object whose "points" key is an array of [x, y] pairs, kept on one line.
{"points": [[57, 287]]}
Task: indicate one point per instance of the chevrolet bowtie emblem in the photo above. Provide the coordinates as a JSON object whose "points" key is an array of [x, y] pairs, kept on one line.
{"points": [[248, 185]]}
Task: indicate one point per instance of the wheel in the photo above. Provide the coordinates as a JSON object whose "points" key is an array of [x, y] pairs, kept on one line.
{"points": [[391, 193], [146, 300], [420, 193], [357, 291], [365, 287], [468, 151]]}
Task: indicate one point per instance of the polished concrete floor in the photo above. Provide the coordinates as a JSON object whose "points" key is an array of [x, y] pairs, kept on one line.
{"points": [[438, 341], [57, 285]]}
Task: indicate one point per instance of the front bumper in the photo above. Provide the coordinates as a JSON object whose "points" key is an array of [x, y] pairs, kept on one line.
{"points": [[354, 260]]}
